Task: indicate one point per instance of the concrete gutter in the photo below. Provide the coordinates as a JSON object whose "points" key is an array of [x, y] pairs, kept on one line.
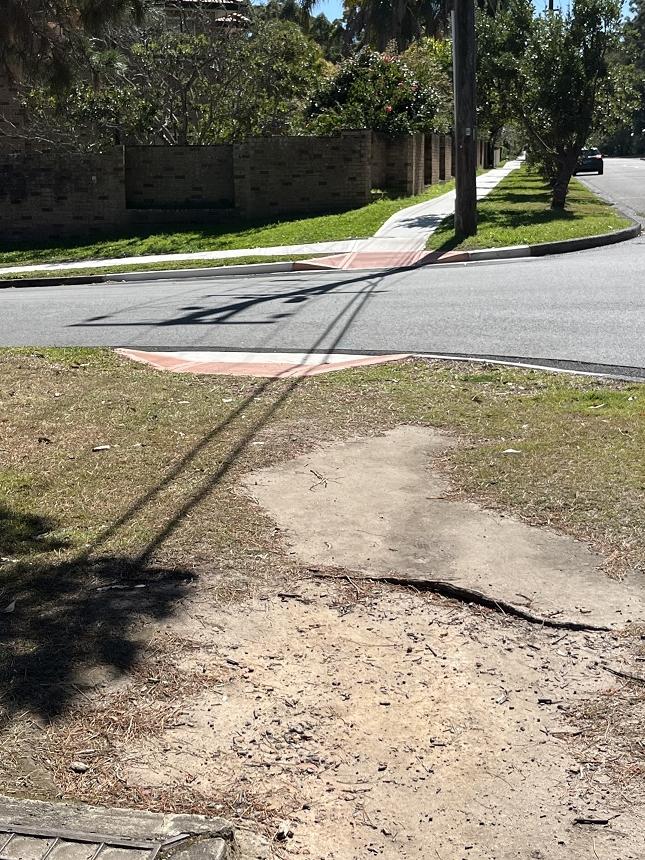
{"points": [[565, 246], [151, 275], [542, 249]]}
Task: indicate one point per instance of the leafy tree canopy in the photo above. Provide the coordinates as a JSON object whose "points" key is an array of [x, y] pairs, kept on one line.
{"points": [[430, 60], [553, 74], [378, 23], [629, 63], [40, 36], [154, 85]]}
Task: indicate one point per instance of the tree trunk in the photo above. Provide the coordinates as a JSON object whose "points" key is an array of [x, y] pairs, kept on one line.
{"points": [[565, 167]]}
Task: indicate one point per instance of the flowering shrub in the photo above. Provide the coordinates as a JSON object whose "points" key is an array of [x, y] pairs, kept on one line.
{"points": [[373, 90]]}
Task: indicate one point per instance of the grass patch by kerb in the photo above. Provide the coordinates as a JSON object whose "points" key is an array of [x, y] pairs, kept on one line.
{"points": [[228, 235], [517, 212]]}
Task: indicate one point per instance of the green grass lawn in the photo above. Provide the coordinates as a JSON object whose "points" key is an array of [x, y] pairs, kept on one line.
{"points": [[517, 212], [153, 267], [581, 467], [229, 235]]}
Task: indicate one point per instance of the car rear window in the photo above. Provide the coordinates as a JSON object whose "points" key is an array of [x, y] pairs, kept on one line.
{"points": [[591, 152]]}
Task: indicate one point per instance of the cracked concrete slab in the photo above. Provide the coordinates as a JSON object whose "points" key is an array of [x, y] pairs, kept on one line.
{"points": [[380, 506], [31, 830]]}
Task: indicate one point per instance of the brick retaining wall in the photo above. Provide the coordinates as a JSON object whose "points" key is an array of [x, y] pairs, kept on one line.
{"points": [[52, 195], [46, 196], [282, 175], [179, 177]]}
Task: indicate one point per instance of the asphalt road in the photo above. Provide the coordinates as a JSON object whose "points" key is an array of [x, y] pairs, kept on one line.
{"points": [[623, 183], [587, 307]]}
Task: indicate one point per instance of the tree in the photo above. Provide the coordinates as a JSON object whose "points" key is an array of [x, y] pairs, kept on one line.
{"points": [[153, 85], [373, 90], [330, 35], [40, 36], [564, 79], [552, 74], [501, 40], [430, 61], [629, 62], [378, 23]]}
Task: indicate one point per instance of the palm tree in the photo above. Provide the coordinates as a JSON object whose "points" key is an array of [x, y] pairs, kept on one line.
{"points": [[380, 22]]}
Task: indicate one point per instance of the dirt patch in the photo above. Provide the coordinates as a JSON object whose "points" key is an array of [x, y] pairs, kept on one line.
{"points": [[381, 506], [378, 720], [383, 722]]}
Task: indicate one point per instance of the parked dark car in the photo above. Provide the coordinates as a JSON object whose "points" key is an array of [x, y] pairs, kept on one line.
{"points": [[590, 161]]}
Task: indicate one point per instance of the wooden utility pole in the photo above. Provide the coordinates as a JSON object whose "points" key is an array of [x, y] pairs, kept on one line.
{"points": [[463, 65]]}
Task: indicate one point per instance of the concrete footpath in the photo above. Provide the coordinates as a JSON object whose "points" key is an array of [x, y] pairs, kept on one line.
{"points": [[401, 241]]}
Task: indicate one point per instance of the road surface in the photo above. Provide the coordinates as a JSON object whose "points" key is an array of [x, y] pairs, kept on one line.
{"points": [[623, 183], [586, 307]]}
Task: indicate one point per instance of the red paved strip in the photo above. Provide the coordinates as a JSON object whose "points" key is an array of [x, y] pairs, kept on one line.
{"points": [[382, 260], [163, 361]]}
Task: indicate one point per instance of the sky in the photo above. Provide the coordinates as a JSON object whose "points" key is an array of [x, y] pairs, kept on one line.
{"points": [[331, 8], [334, 8]]}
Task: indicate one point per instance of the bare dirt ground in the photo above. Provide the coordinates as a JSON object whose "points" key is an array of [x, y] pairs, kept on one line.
{"points": [[382, 506], [383, 722], [376, 719]]}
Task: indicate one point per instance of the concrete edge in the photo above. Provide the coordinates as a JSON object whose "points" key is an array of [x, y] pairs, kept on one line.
{"points": [[527, 364], [97, 821], [509, 252], [153, 275], [542, 249], [582, 244], [205, 272]]}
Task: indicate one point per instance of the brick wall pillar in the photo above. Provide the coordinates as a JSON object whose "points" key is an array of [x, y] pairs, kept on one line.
{"points": [[404, 164], [446, 172], [418, 178], [431, 159]]}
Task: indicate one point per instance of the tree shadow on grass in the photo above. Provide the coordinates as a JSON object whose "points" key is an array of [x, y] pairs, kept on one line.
{"points": [[22, 533], [523, 197], [503, 220], [61, 621], [64, 625]]}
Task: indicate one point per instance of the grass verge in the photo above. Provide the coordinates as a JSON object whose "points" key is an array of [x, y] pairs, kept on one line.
{"points": [[153, 267], [229, 235], [118, 492], [581, 469], [517, 212]]}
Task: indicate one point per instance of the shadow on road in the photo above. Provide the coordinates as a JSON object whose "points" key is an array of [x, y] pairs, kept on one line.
{"points": [[227, 311]]}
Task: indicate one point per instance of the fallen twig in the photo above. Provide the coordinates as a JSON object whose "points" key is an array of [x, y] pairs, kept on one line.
{"points": [[600, 822], [284, 595]]}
